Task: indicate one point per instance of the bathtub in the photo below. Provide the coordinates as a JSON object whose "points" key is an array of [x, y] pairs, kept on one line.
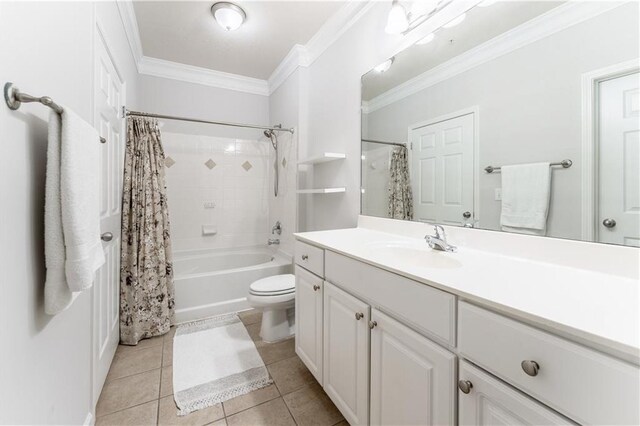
{"points": [[213, 282]]}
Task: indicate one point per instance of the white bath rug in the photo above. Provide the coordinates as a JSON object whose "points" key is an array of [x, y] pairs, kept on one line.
{"points": [[214, 360]]}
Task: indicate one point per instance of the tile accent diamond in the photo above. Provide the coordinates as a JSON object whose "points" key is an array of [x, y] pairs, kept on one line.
{"points": [[168, 162], [210, 163], [284, 162], [246, 165]]}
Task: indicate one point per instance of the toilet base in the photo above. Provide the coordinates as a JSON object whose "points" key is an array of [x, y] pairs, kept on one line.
{"points": [[277, 324]]}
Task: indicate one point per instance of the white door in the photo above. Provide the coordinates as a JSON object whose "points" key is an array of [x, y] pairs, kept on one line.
{"points": [[109, 97], [309, 320], [412, 378], [346, 353], [442, 171], [619, 161], [486, 401]]}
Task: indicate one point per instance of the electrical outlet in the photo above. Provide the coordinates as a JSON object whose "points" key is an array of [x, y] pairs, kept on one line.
{"points": [[498, 195]]}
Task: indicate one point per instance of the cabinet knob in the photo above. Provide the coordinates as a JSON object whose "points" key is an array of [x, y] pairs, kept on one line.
{"points": [[530, 367], [359, 315], [373, 324], [465, 386], [305, 257], [107, 236], [316, 287]]}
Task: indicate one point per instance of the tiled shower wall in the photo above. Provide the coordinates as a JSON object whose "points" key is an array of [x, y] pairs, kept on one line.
{"points": [[220, 183], [283, 207]]}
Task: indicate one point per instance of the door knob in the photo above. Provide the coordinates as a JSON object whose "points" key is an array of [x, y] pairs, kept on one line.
{"points": [[465, 386], [466, 215], [530, 367], [609, 223], [107, 236]]}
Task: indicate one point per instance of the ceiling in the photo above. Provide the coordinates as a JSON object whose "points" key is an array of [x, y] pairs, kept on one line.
{"points": [[481, 25], [186, 32]]}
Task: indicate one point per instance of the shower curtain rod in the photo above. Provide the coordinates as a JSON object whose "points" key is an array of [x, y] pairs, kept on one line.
{"points": [[196, 120], [384, 143]]}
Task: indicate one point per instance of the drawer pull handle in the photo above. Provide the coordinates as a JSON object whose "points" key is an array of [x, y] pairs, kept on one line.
{"points": [[305, 257], [530, 367], [465, 386], [359, 315], [316, 287], [373, 324]]}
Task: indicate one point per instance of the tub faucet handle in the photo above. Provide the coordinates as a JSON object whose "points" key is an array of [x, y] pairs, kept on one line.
{"points": [[277, 228]]}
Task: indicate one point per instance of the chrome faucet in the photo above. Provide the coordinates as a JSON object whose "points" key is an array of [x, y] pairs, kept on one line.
{"points": [[277, 228], [439, 241], [272, 241]]}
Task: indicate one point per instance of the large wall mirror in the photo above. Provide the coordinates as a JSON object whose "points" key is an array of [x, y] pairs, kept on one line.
{"points": [[523, 117]]}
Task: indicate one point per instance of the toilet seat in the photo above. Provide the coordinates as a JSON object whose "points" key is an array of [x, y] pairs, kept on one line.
{"points": [[276, 285]]}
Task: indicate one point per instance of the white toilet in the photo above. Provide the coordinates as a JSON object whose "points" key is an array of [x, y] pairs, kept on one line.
{"points": [[275, 296]]}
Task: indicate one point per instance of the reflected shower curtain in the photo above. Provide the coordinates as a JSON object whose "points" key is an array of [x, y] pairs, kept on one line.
{"points": [[146, 274], [400, 196]]}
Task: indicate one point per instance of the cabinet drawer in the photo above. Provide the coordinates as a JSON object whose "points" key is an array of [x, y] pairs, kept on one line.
{"points": [[422, 307], [585, 385], [309, 257]]}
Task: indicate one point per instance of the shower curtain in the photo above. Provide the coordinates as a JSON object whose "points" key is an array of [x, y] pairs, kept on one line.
{"points": [[146, 274], [400, 196]]}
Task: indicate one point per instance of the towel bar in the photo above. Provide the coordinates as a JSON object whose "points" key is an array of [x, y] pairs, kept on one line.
{"points": [[14, 98], [564, 163]]}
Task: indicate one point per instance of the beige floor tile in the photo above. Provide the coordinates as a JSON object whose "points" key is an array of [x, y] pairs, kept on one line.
{"points": [[254, 333], [142, 344], [169, 414], [311, 406], [172, 332], [141, 415], [128, 391], [252, 316], [274, 352], [274, 413], [126, 363], [167, 353], [342, 423], [166, 381], [221, 422], [249, 400], [290, 374]]}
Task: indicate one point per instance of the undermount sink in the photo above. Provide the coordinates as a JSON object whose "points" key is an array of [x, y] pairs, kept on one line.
{"points": [[417, 254]]}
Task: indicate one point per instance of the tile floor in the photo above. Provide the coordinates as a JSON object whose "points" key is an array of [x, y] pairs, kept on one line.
{"points": [[138, 390]]}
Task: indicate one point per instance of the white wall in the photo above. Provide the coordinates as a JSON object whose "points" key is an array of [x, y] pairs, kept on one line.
{"points": [[529, 109], [45, 361]]}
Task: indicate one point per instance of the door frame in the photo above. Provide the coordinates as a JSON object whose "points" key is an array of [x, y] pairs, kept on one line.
{"points": [[475, 110], [590, 142]]}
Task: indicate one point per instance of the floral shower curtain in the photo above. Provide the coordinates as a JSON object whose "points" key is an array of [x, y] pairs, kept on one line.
{"points": [[146, 274], [400, 196]]}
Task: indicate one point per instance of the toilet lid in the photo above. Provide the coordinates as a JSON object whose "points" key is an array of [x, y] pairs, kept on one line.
{"points": [[274, 285]]}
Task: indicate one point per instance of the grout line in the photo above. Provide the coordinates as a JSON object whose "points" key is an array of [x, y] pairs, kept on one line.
{"points": [[124, 409]]}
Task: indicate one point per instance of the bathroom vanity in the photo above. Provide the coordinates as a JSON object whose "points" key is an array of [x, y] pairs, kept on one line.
{"points": [[397, 333]]}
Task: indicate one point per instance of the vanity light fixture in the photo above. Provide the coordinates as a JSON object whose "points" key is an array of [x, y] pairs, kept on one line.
{"points": [[427, 39], [397, 21], [228, 15], [455, 21], [383, 67]]}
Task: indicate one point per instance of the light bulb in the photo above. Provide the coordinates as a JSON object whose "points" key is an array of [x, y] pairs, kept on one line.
{"points": [[455, 21], [397, 21], [383, 67], [427, 39]]}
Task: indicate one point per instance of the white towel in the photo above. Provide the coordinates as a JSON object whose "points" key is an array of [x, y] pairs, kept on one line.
{"points": [[73, 250], [526, 189]]}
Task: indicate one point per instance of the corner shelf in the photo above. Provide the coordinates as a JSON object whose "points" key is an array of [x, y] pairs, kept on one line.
{"points": [[322, 191], [323, 158]]}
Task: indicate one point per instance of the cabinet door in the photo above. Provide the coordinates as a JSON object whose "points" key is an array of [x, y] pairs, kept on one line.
{"points": [[412, 378], [346, 353], [309, 321], [491, 402]]}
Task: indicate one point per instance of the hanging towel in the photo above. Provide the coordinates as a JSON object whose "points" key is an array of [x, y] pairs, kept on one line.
{"points": [[526, 189], [73, 251]]}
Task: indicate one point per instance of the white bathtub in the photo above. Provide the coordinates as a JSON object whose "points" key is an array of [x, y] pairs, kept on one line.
{"points": [[214, 282]]}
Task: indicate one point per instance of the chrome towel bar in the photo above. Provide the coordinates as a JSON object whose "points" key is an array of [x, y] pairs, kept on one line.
{"points": [[564, 163], [14, 98]]}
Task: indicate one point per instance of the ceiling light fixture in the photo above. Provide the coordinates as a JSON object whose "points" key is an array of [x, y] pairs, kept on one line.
{"points": [[427, 39], [397, 21], [383, 67], [455, 21], [228, 15]]}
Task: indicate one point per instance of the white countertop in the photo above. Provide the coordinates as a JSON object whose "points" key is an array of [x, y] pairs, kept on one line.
{"points": [[597, 309]]}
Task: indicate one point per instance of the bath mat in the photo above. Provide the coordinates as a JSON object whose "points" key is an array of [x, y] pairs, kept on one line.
{"points": [[214, 360]]}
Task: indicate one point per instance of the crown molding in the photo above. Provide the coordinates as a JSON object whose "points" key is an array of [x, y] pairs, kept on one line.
{"points": [[549, 23], [130, 23], [192, 74], [296, 57]]}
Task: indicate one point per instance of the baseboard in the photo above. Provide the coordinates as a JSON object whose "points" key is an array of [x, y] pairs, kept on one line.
{"points": [[89, 420]]}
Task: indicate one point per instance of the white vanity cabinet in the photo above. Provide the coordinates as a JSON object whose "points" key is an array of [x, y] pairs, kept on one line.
{"points": [[309, 320]]}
